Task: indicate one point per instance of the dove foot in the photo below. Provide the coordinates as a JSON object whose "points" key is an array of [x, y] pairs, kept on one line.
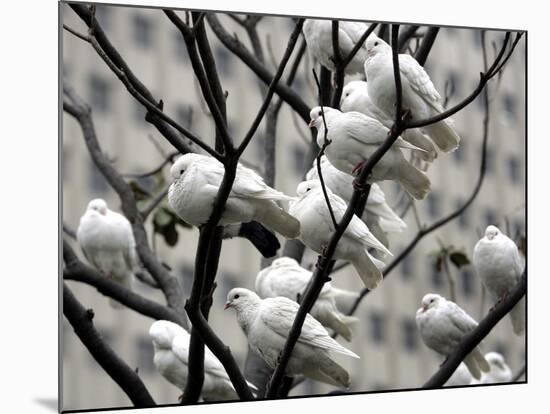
{"points": [[357, 169], [360, 187]]}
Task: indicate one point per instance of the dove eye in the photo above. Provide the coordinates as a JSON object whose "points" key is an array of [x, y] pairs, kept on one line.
{"points": [[182, 171], [236, 297]]}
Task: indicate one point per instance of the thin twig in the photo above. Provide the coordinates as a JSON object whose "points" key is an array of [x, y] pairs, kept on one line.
{"points": [[81, 320]]}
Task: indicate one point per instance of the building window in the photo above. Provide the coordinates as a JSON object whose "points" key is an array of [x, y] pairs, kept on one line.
{"points": [[468, 282], [223, 60], [184, 115], [434, 205], [502, 349], [145, 355], [410, 338], [407, 267], [96, 180], [455, 83], [490, 217], [513, 169], [142, 31], [377, 327], [437, 277], [100, 93], [489, 160], [509, 104], [229, 281], [186, 274], [139, 112], [463, 219], [298, 156], [179, 47], [103, 16]]}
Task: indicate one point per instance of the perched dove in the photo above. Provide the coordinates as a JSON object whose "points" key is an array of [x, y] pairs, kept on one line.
{"points": [[267, 323], [354, 139], [419, 95], [107, 242], [378, 215], [171, 346], [461, 376], [318, 35], [500, 371], [355, 97], [197, 179], [316, 229], [443, 324], [498, 263], [285, 277]]}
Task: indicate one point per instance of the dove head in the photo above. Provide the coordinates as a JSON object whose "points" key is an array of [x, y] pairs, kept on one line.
{"points": [[99, 205], [183, 163], [375, 45], [240, 297], [162, 333], [305, 187], [283, 262], [491, 232], [316, 115], [495, 359], [352, 89], [429, 301]]}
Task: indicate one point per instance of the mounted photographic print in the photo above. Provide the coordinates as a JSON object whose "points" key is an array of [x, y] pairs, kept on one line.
{"points": [[270, 207]]}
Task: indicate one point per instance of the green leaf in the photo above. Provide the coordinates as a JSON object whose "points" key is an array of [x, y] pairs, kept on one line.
{"points": [[459, 259]]}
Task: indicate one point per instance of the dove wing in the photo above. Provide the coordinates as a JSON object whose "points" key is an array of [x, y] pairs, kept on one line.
{"points": [[419, 80], [279, 315], [460, 319]]}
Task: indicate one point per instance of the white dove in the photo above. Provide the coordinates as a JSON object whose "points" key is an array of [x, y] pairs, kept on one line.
{"points": [[443, 324], [419, 95], [378, 216], [318, 36], [461, 376], [354, 139], [107, 241], [267, 323], [498, 263], [500, 371], [285, 277], [197, 179], [355, 97], [316, 229], [171, 346]]}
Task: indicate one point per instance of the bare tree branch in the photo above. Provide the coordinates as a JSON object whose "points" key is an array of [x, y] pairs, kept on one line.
{"points": [[116, 368], [75, 106], [112, 57], [427, 42], [79, 272], [235, 46]]}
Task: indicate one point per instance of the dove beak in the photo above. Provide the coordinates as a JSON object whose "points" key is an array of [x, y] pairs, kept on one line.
{"points": [[312, 123], [424, 308], [227, 305]]}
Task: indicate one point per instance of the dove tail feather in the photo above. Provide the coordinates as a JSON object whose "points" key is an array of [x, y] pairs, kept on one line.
{"points": [[341, 324], [277, 219], [418, 139], [443, 135], [415, 181], [262, 239], [329, 372], [482, 363], [367, 270], [471, 364], [517, 316]]}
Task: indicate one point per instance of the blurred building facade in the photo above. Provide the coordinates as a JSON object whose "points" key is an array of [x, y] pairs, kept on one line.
{"points": [[392, 353]]}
